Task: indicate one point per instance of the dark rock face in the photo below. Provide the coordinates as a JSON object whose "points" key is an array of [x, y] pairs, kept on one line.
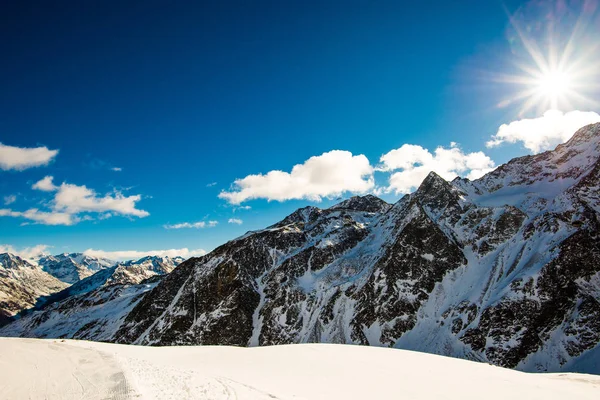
{"points": [[504, 269], [529, 321], [418, 259]]}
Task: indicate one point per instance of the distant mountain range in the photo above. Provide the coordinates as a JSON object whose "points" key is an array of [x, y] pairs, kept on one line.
{"points": [[32, 284], [504, 269], [71, 268], [22, 284]]}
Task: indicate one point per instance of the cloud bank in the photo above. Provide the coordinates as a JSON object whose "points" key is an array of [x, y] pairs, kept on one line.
{"points": [[329, 174], [545, 132], [21, 158]]}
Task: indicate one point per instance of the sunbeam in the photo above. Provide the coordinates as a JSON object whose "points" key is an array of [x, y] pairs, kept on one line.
{"points": [[557, 60]]}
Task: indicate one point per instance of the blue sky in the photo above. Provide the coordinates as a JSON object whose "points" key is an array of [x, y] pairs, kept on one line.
{"points": [[164, 106]]}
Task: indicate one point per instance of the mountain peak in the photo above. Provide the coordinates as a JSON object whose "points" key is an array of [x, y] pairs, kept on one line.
{"points": [[587, 134], [431, 178], [437, 194], [432, 185], [301, 215], [367, 203], [9, 260]]}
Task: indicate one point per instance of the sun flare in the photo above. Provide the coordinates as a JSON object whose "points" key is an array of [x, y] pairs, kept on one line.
{"points": [[557, 63]]}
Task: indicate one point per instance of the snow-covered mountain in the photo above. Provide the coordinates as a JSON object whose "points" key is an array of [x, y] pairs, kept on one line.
{"points": [[504, 269], [71, 268], [149, 266], [22, 284], [94, 307]]}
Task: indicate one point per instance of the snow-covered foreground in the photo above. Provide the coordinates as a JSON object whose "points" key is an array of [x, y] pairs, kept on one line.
{"points": [[55, 369]]}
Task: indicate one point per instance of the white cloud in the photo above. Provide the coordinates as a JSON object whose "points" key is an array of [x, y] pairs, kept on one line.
{"points": [[20, 158], [327, 175], [46, 184], [75, 199], [211, 184], [42, 217], [72, 200], [25, 252], [116, 169], [543, 133], [236, 221], [415, 163], [194, 225], [242, 208], [8, 200], [136, 254]]}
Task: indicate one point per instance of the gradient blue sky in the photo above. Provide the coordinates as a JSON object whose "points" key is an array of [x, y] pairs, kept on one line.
{"points": [[180, 95]]}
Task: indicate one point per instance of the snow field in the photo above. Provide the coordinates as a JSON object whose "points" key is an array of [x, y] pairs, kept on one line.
{"points": [[55, 369]]}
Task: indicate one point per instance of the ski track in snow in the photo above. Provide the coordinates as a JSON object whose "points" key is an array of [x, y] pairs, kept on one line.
{"points": [[56, 369]]}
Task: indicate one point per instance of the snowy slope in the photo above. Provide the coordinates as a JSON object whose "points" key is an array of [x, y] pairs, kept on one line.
{"points": [[47, 369], [22, 284]]}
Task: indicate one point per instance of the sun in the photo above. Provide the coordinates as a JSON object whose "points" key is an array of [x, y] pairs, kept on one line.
{"points": [[554, 84], [554, 88], [555, 62]]}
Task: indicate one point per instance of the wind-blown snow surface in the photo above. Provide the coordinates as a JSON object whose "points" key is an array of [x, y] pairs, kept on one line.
{"points": [[45, 369]]}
